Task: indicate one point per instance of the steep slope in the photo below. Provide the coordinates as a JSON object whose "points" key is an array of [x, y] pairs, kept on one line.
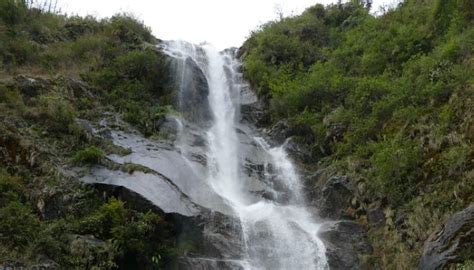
{"points": [[56, 71], [386, 101]]}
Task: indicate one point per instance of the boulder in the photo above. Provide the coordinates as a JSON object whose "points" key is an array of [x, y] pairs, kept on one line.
{"points": [[376, 216], [455, 237], [168, 127], [334, 197], [78, 88], [279, 132], [345, 242], [335, 132], [298, 151], [32, 87]]}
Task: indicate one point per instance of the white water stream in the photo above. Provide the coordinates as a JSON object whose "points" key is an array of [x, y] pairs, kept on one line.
{"points": [[276, 235]]}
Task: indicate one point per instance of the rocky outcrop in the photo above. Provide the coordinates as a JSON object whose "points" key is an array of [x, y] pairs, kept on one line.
{"points": [[345, 242], [296, 140], [76, 88], [334, 197], [251, 108], [299, 151], [451, 242], [168, 127], [376, 216], [279, 132], [31, 87]]}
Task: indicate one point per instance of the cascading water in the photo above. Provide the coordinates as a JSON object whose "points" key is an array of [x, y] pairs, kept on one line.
{"points": [[277, 230]]}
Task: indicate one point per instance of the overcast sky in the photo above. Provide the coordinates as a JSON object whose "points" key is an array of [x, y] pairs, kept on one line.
{"points": [[223, 23]]}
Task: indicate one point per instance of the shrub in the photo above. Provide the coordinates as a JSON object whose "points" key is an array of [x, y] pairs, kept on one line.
{"points": [[11, 97], [129, 30], [455, 159], [57, 113], [395, 169], [89, 155], [143, 241], [23, 52], [19, 226], [12, 11]]}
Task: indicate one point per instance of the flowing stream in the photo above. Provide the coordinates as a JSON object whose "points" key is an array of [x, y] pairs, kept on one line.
{"points": [[277, 230]]}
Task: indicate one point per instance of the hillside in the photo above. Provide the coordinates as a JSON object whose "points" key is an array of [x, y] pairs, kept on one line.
{"points": [[55, 70], [386, 101]]}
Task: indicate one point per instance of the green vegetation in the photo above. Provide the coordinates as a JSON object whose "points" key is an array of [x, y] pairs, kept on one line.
{"points": [[53, 70], [128, 238], [388, 98], [89, 155], [115, 55]]}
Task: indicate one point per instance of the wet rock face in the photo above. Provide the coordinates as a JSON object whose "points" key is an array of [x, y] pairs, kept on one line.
{"points": [[455, 237], [334, 197], [168, 127], [193, 93], [299, 151], [296, 140], [345, 242], [215, 240], [279, 132], [251, 108]]}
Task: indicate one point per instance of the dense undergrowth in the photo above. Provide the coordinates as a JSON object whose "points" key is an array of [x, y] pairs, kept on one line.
{"points": [[387, 100], [54, 69]]}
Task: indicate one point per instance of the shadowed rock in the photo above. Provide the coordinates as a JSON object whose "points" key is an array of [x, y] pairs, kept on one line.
{"points": [[334, 197], [445, 245], [194, 90], [345, 241]]}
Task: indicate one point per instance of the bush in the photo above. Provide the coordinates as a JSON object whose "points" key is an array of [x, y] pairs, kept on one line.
{"points": [[11, 188], [89, 155], [12, 11], [56, 113], [11, 97], [23, 52], [129, 30], [134, 83], [395, 169], [136, 237], [18, 225]]}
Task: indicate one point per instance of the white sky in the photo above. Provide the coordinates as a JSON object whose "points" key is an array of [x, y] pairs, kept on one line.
{"points": [[223, 23]]}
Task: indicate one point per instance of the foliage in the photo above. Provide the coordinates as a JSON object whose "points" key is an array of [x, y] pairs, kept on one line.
{"points": [[109, 53], [136, 237], [122, 237], [397, 88], [12, 12], [133, 83], [44, 215], [18, 224], [89, 155], [57, 113]]}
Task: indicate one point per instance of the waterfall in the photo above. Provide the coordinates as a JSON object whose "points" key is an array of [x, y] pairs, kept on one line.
{"points": [[277, 230]]}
